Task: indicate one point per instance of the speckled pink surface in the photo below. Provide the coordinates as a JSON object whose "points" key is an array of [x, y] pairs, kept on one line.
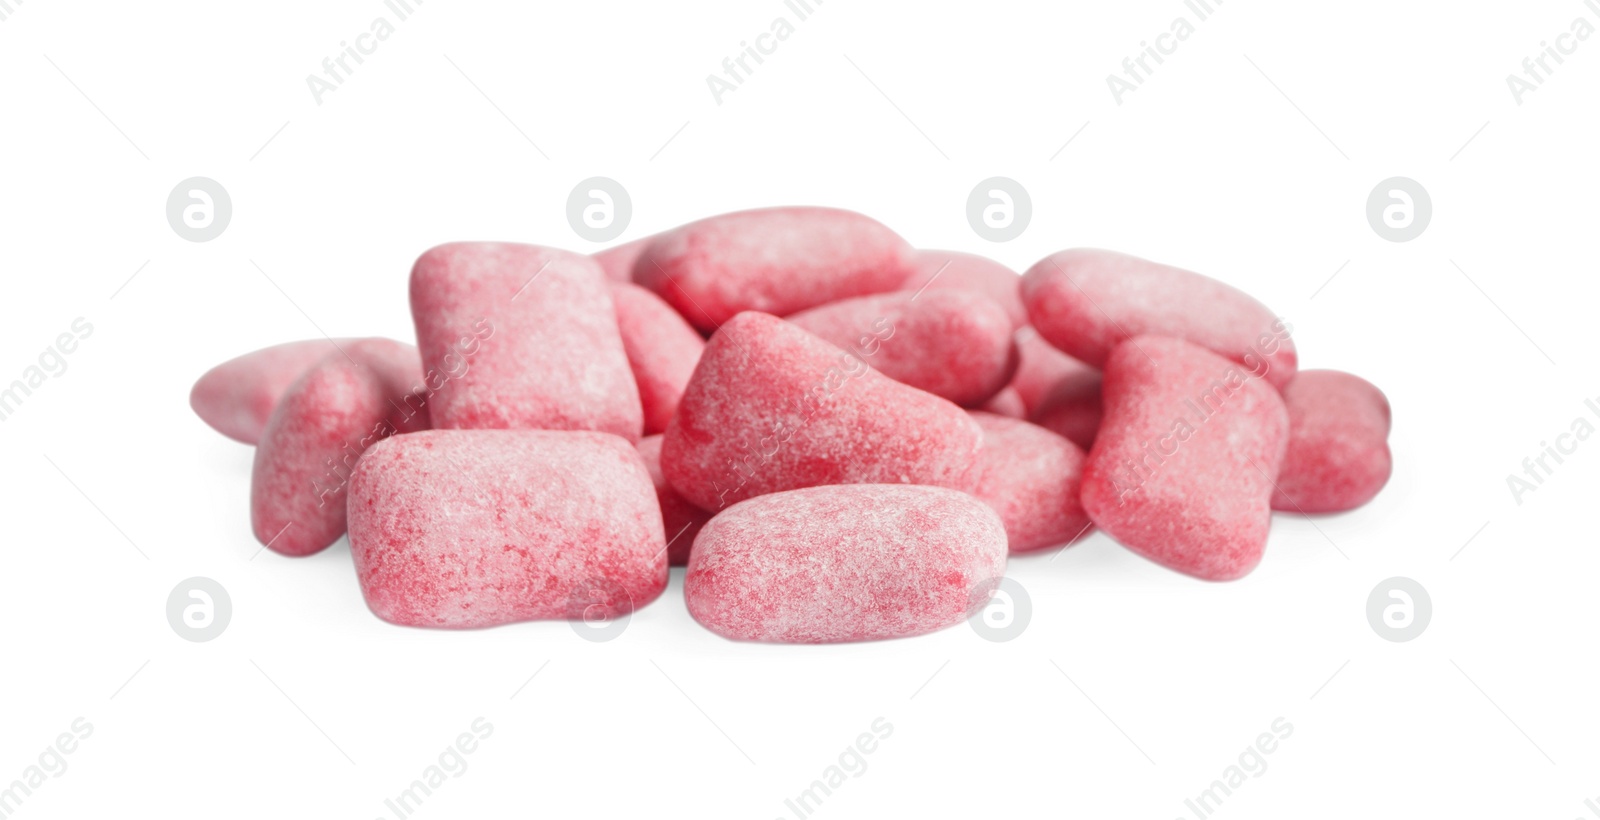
{"points": [[844, 563], [545, 352], [1182, 470], [474, 528], [326, 420], [237, 396], [1072, 408], [1041, 367], [1031, 477], [775, 260], [681, 521], [772, 407], [662, 351], [954, 344], [1087, 301], [1008, 403], [953, 270], [1338, 457], [617, 262]]}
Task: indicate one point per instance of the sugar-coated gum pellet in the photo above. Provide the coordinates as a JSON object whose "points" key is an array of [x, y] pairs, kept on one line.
{"points": [[1031, 477], [1072, 408], [1338, 456], [527, 337], [953, 270], [1041, 367], [681, 521], [954, 344], [237, 396], [774, 260], [662, 351], [1008, 403], [475, 528], [772, 408], [844, 563], [1183, 468], [618, 262], [1086, 302], [326, 420]]}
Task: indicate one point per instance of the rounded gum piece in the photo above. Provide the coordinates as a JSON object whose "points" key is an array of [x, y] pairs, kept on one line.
{"points": [[774, 260], [1073, 408], [327, 419], [681, 521], [474, 528], [956, 345], [954, 270], [1088, 301], [1008, 403], [617, 262], [1183, 469], [1041, 367], [1338, 457], [772, 408], [662, 351], [236, 397], [1031, 477], [844, 563], [526, 337]]}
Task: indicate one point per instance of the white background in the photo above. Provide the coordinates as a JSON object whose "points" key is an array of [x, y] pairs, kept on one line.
{"points": [[1248, 155]]}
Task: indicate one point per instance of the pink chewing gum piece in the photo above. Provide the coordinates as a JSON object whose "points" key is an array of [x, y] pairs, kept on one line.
{"points": [[474, 528], [236, 397], [681, 521], [845, 563], [775, 260], [522, 337], [1338, 457], [327, 419], [953, 270], [1008, 403], [662, 351], [1072, 408], [1041, 367], [1087, 302], [955, 345], [1031, 477], [617, 262], [772, 407], [1183, 468]]}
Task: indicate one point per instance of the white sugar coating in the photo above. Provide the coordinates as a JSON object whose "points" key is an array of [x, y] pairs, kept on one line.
{"points": [[470, 528], [956, 344], [1183, 468], [775, 260], [521, 337], [1031, 477], [1088, 301], [844, 563], [772, 407]]}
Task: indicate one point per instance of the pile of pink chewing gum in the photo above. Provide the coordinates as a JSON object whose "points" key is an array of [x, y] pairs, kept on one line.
{"points": [[841, 437]]}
